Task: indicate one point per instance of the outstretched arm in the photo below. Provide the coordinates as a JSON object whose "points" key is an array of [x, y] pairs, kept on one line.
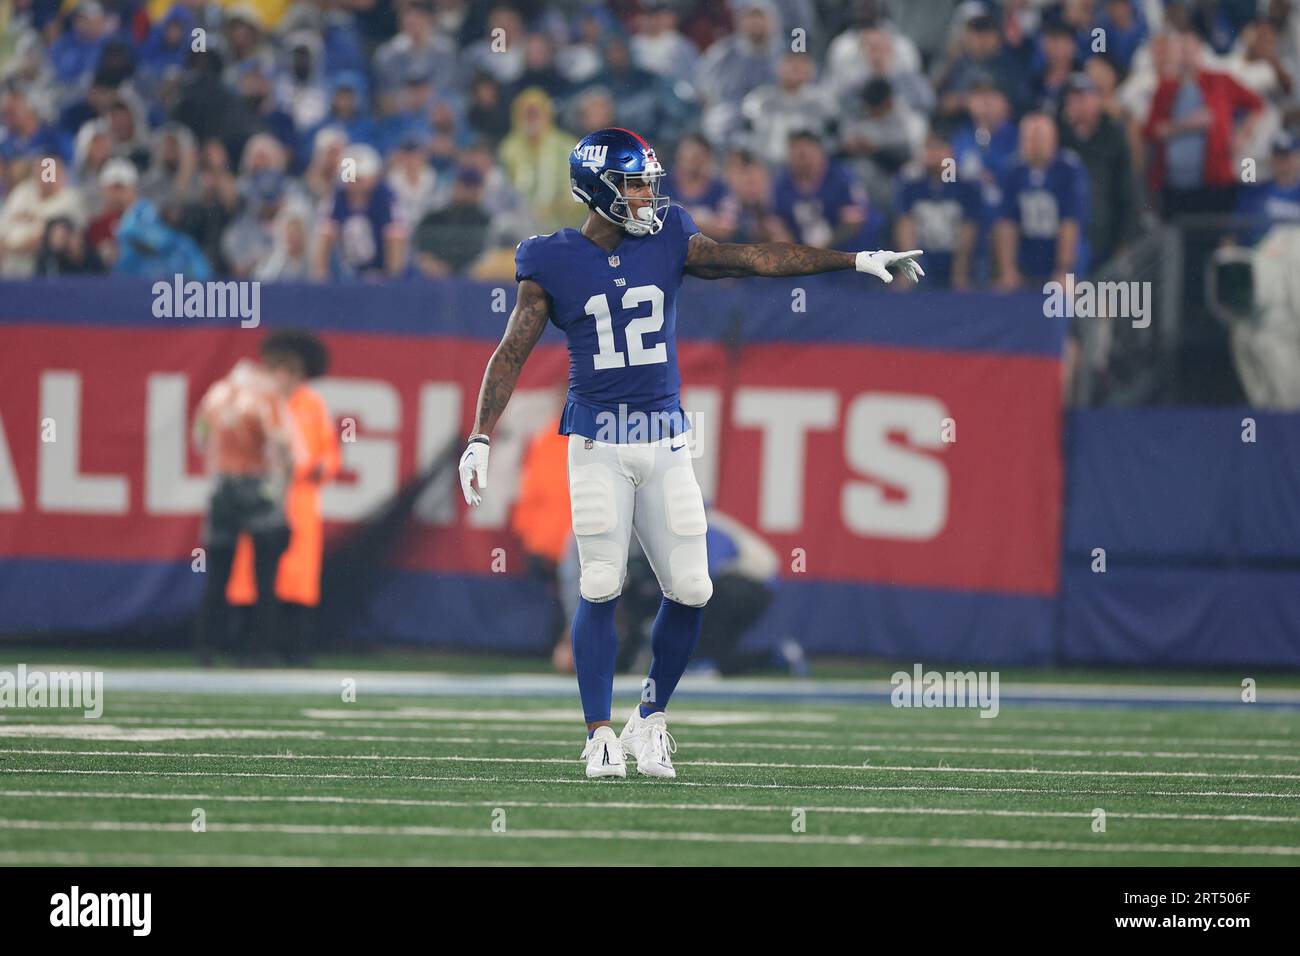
{"points": [[532, 308], [720, 260], [527, 322], [707, 259]]}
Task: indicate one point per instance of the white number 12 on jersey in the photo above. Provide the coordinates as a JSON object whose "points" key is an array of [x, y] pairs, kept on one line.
{"points": [[637, 354]]}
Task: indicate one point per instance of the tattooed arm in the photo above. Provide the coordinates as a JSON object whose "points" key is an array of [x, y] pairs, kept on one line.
{"points": [[719, 260], [707, 259], [527, 321]]}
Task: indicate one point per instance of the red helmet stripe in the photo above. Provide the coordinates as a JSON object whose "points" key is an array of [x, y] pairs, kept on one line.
{"points": [[644, 145]]}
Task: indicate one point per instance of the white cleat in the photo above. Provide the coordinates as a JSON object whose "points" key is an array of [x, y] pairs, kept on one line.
{"points": [[647, 741], [604, 754]]}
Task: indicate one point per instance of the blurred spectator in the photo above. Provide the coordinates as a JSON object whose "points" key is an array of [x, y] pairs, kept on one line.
{"points": [[819, 200], [693, 183], [1058, 50], [658, 46], [500, 53], [540, 69], [747, 207], [414, 184], [40, 198], [908, 83], [1278, 199], [853, 57], [1193, 130], [592, 109], [347, 110], [363, 233], [167, 47], [1125, 30], [940, 213], [985, 145], [173, 173], [795, 102], [536, 158], [29, 70], [26, 132], [139, 243], [489, 113], [206, 217], [877, 141], [736, 65], [246, 45], [77, 49], [418, 50], [94, 148], [1044, 208], [322, 174], [407, 114], [302, 86], [1101, 145], [449, 240], [982, 53], [64, 251], [642, 100], [250, 238], [290, 257]]}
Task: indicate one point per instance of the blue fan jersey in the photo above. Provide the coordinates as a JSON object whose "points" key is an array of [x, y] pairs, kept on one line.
{"points": [[618, 309]]}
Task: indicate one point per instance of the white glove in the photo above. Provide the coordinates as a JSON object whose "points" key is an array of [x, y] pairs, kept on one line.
{"points": [[473, 464], [879, 263]]}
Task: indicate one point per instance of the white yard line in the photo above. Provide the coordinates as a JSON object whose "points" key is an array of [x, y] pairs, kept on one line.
{"points": [[629, 805], [653, 836], [580, 781], [158, 733], [731, 764]]}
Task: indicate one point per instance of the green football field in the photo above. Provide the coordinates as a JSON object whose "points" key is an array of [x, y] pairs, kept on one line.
{"points": [[474, 770]]}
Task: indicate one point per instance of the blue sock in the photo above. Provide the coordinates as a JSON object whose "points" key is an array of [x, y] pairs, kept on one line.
{"points": [[672, 639], [595, 647]]}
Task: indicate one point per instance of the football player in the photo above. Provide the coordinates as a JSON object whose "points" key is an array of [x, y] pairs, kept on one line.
{"points": [[611, 287]]}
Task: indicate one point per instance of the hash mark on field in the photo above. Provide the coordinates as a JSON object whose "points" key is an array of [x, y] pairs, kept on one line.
{"points": [[303, 829], [627, 805], [579, 781], [755, 764]]}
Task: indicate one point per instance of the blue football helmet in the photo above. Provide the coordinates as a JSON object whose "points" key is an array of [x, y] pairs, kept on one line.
{"points": [[600, 167]]}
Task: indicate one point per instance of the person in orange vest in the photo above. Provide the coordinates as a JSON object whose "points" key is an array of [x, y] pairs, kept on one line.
{"points": [[541, 517], [245, 431], [297, 584]]}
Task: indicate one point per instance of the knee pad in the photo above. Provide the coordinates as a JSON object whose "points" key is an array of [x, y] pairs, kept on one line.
{"points": [[693, 590], [600, 582], [688, 575]]}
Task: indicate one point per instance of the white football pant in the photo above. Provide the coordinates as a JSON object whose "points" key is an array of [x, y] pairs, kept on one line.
{"points": [[647, 488]]}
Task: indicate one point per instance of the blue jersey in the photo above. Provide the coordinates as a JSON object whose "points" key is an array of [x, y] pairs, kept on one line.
{"points": [[1267, 204], [618, 309], [939, 210], [1039, 201]]}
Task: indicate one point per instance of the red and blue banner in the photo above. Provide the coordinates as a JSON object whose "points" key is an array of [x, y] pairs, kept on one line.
{"points": [[900, 452]]}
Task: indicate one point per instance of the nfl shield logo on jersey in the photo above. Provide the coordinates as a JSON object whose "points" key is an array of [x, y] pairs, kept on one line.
{"points": [[613, 262]]}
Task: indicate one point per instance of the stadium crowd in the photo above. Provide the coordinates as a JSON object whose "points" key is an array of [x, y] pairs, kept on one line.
{"points": [[274, 140]]}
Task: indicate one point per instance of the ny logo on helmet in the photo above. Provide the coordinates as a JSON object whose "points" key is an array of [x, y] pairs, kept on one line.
{"points": [[592, 155]]}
